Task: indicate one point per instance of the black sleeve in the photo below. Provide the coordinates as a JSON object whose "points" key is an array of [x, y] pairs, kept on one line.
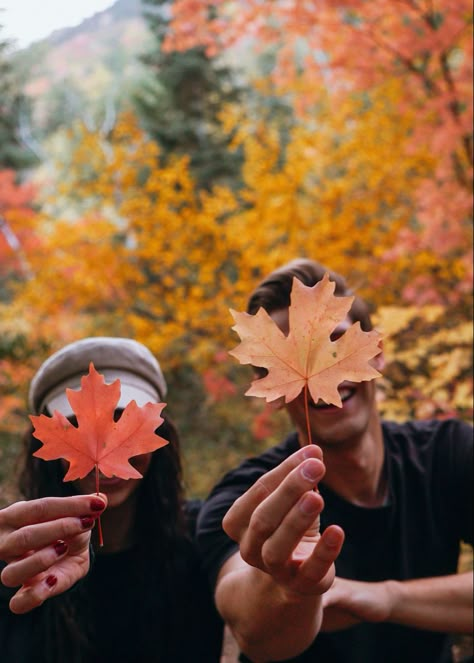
{"points": [[214, 545], [6, 593], [191, 512], [455, 458]]}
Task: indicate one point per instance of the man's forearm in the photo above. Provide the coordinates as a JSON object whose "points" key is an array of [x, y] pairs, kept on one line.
{"points": [[437, 604], [443, 604], [268, 623]]}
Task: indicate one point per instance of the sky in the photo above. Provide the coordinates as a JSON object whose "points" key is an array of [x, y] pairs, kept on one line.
{"points": [[26, 21]]}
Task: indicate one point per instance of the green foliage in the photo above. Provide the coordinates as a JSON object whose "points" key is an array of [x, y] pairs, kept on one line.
{"points": [[10, 454], [180, 101], [13, 153]]}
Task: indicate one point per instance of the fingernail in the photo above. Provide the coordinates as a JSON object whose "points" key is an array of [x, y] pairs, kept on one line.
{"points": [[97, 504], [332, 538], [87, 522], [60, 547], [311, 470], [51, 581]]}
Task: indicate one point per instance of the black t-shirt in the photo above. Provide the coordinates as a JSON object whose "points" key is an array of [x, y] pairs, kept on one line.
{"points": [[122, 615], [416, 534]]}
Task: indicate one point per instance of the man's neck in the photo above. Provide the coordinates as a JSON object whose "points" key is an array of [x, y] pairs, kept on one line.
{"points": [[354, 469]]}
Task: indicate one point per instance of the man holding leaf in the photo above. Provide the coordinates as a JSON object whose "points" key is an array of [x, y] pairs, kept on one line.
{"points": [[341, 544]]}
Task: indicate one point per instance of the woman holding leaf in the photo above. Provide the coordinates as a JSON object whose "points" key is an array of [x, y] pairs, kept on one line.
{"points": [[113, 461], [345, 552]]}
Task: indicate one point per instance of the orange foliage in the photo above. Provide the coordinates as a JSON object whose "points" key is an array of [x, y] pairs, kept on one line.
{"points": [[130, 248], [352, 43], [429, 363], [358, 45]]}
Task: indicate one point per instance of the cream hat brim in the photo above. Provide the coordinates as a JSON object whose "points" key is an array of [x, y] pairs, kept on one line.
{"points": [[132, 388]]}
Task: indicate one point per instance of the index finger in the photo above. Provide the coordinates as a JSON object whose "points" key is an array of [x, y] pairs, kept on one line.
{"points": [[238, 516], [29, 512]]}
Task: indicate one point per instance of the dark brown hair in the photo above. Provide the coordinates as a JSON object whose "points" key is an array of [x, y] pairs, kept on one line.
{"points": [[273, 293]]}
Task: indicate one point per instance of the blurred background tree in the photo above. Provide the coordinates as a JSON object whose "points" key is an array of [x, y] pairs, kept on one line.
{"points": [[13, 152], [169, 182], [180, 101]]}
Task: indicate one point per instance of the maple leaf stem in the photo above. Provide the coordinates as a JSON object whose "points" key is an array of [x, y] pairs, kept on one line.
{"points": [[306, 412], [99, 525], [310, 440]]}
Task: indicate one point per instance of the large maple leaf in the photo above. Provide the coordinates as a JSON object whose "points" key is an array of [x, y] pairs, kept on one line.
{"points": [[98, 441], [307, 357]]}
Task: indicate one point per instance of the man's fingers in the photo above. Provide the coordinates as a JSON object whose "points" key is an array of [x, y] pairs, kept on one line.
{"points": [[279, 548], [316, 570], [46, 509], [269, 487], [273, 514]]}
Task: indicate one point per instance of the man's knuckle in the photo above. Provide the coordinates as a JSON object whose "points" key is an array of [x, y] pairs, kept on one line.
{"points": [[249, 554], [6, 577], [260, 525], [271, 558], [230, 526], [261, 488]]}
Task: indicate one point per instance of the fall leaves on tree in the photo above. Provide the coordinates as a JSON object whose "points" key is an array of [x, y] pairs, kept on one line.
{"points": [[358, 46], [369, 177], [15, 224]]}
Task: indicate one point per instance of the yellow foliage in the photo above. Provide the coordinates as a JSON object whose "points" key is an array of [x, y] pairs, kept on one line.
{"points": [[429, 363], [137, 251]]}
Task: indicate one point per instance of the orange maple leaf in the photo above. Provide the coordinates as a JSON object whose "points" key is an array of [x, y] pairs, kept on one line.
{"points": [[306, 358], [98, 441]]}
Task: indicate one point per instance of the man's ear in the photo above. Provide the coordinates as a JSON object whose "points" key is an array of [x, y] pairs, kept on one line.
{"points": [[378, 361], [278, 404]]}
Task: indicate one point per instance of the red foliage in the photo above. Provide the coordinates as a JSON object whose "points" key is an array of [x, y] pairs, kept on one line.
{"points": [[218, 386], [15, 216]]}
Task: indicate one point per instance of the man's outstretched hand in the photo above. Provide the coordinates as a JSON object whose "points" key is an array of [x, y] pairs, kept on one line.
{"points": [[270, 592], [276, 523]]}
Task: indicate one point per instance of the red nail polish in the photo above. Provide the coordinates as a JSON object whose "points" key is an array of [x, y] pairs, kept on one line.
{"points": [[51, 581], [87, 522], [97, 504], [60, 547]]}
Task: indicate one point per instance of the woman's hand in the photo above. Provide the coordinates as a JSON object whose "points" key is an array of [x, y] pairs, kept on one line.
{"points": [[45, 544]]}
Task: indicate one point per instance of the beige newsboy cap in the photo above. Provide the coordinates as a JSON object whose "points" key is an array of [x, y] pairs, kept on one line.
{"points": [[139, 373]]}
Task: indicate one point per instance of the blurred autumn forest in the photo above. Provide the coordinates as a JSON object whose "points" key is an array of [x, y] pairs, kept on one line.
{"points": [[255, 133]]}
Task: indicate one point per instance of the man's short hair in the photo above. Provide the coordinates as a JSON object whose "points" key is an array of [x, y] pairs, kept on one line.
{"points": [[273, 293]]}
